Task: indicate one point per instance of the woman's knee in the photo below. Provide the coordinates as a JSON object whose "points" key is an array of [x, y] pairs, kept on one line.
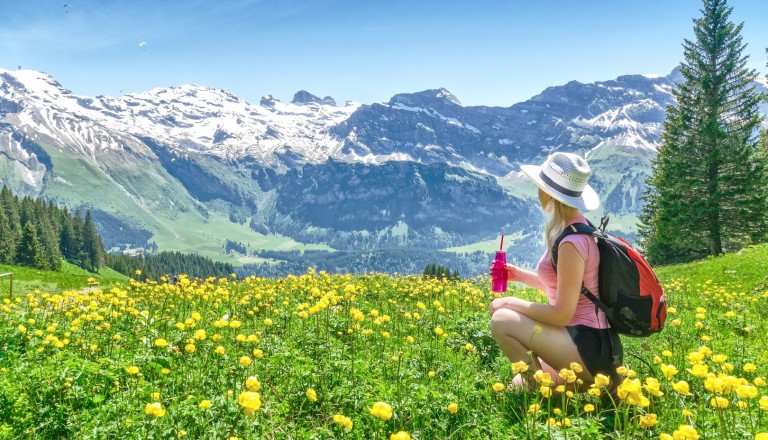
{"points": [[502, 319]]}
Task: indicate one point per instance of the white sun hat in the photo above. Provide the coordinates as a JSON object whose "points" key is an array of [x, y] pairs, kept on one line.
{"points": [[564, 176]]}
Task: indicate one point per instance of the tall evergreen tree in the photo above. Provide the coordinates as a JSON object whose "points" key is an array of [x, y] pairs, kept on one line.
{"points": [[708, 191], [7, 239], [92, 245], [10, 203], [29, 252], [67, 236]]}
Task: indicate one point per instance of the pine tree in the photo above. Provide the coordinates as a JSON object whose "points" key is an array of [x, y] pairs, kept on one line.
{"points": [[29, 252], [67, 236], [708, 191], [8, 239], [10, 204], [92, 245]]}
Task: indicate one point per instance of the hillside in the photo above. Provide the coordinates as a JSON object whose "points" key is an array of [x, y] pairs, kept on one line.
{"points": [[27, 280]]}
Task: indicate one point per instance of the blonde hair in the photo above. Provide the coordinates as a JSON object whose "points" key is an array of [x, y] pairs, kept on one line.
{"points": [[556, 216]]}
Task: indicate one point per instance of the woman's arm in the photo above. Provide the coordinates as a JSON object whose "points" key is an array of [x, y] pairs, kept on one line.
{"points": [[527, 277], [570, 274]]}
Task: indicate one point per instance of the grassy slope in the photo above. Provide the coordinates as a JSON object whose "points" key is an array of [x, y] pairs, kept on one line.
{"points": [[26, 279], [748, 268]]}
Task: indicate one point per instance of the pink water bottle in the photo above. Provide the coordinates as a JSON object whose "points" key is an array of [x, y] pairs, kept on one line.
{"points": [[499, 270]]}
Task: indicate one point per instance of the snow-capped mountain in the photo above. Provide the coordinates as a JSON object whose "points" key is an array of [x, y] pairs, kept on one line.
{"points": [[420, 169]]}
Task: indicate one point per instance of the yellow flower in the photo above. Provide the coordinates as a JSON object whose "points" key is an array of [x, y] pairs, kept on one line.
{"points": [[749, 367], [250, 401], [763, 402], [685, 432], [746, 391], [669, 371], [759, 381], [665, 436], [545, 391], [719, 358], [682, 388], [576, 367], [761, 436], [533, 408], [161, 343], [245, 361], [648, 420], [453, 408], [695, 357], [258, 354], [601, 381], [137, 272], [253, 384], [439, 331], [132, 370], [219, 350], [652, 386], [666, 353], [569, 376], [498, 386], [719, 402], [400, 435], [21, 329], [594, 392], [311, 395], [431, 374], [631, 392], [381, 410], [687, 413], [469, 347], [343, 421], [542, 377], [155, 396], [267, 322], [190, 348], [409, 339], [205, 404], [519, 367], [589, 408], [200, 335], [154, 409], [699, 370]]}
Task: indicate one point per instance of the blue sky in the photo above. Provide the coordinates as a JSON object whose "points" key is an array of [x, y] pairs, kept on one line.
{"points": [[486, 52]]}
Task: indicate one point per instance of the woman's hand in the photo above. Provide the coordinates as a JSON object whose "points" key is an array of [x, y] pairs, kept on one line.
{"points": [[501, 303], [511, 272]]}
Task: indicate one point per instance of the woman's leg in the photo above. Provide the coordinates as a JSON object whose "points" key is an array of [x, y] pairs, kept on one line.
{"points": [[520, 339]]}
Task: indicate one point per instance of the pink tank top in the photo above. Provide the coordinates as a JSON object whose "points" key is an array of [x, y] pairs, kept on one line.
{"points": [[587, 248]]}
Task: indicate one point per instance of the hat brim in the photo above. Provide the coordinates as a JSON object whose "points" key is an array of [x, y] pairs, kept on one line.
{"points": [[588, 200]]}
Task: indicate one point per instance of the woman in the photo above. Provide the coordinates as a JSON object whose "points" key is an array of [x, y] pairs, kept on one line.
{"points": [[569, 328]]}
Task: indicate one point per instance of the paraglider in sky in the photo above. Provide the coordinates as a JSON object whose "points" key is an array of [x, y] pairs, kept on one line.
{"points": [[142, 44], [67, 8]]}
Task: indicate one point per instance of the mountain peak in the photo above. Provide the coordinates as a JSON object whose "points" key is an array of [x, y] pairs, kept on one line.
{"points": [[304, 97], [32, 81], [427, 98]]}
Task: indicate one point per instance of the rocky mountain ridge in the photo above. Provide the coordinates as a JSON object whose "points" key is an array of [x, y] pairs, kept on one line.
{"points": [[418, 170]]}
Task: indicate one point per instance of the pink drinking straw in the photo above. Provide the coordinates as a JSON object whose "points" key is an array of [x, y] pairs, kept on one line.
{"points": [[501, 246]]}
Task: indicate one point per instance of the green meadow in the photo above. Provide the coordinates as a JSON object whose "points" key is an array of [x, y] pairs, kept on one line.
{"points": [[339, 356]]}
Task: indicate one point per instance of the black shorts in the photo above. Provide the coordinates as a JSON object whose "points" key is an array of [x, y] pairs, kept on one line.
{"points": [[596, 349]]}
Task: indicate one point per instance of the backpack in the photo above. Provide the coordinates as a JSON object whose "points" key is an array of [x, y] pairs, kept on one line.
{"points": [[630, 293]]}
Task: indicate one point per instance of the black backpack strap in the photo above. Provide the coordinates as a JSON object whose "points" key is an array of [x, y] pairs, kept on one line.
{"points": [[576, 228], [584, 229]]}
